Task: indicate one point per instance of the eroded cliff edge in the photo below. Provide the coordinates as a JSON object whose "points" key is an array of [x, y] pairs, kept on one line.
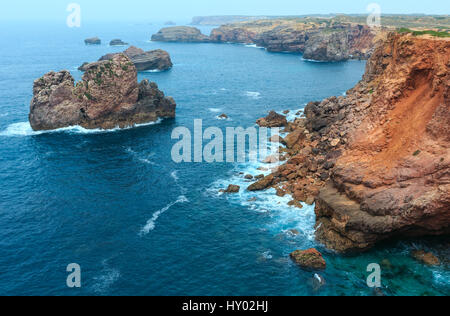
{"points": [[317, 41], [377, 161], [108, 96]]}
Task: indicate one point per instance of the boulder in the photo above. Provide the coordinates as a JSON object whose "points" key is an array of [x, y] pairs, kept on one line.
{"points": [[232, 189], [108, 96], [310, 259], [272, 120]]}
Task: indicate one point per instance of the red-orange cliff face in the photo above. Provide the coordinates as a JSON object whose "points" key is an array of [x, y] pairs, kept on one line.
{"points": [[377, 161], [393, 177]]}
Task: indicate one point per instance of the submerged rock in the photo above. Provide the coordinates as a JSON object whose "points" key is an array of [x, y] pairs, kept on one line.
{"points": [[108, 96], [152, 60], [180, 34], [426, 257], [309, 259], [93, 41]]}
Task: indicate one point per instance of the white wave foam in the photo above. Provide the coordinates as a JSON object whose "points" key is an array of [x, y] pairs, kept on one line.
{"points": [[252, 94], [139, 156], [24, 129], [215, 110], [152, 71], [174, 175], [106, 280], [151, 223], [253, 46], [267, 255], [283, 217], [313, 60]]}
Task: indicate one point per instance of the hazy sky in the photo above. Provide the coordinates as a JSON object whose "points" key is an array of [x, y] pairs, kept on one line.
{"points": [[161, 10]]}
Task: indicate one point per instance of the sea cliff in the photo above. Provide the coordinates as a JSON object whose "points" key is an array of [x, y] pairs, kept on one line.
{"points": [[317, 41], [376, 161]]}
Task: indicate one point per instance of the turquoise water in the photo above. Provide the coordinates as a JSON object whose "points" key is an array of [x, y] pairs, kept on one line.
{"points": [[139, 224]]}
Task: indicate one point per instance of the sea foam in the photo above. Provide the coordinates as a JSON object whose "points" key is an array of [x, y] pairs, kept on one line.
{"points": [[151, 223], [24, 129], [252, 94]]}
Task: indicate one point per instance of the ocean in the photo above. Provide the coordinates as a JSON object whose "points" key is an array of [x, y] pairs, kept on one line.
{"points": [[136, 222]]}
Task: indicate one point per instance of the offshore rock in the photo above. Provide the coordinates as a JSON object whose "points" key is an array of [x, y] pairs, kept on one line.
{"points": [[93, 41], [310, 259], [180, 34], [108, 96], [152, 60]]}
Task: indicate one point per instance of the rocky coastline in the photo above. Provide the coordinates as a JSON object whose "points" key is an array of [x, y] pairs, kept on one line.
{"points": [[108, 96], [376, 161], [320, 42]]}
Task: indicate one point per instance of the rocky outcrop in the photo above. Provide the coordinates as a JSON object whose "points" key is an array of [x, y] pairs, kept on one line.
{"points": [[310, 259], [180, 34], [231, 189], [93, 41], [334, 42], [426, 257], [152, 60], [340, 43], [108, 96], [117, 42], [376, 161], [272, 120]]}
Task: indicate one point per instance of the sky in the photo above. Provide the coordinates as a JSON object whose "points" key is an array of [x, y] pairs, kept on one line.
{"points": [[184, 10]]}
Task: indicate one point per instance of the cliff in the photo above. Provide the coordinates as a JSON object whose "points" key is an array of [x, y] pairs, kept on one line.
{"points": [[377, 161], [180, 34], [318, 41], [108, 96]]}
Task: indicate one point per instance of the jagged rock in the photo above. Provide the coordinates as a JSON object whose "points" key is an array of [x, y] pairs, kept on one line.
{"points": [[108, 96], [272, 120], [262, 184], [248, 177], [117, 42], [152, 60], [426, 257], [93, 41], [333, 42], [180, 34], [223, 116], [276, 139], [310, 259], [232, 189]]}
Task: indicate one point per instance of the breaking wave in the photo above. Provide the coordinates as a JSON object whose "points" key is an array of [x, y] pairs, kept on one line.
{"points": [[24, 129]]}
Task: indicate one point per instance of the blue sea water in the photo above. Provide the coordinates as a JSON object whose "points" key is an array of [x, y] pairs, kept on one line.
{"points": [[139, 224]]}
